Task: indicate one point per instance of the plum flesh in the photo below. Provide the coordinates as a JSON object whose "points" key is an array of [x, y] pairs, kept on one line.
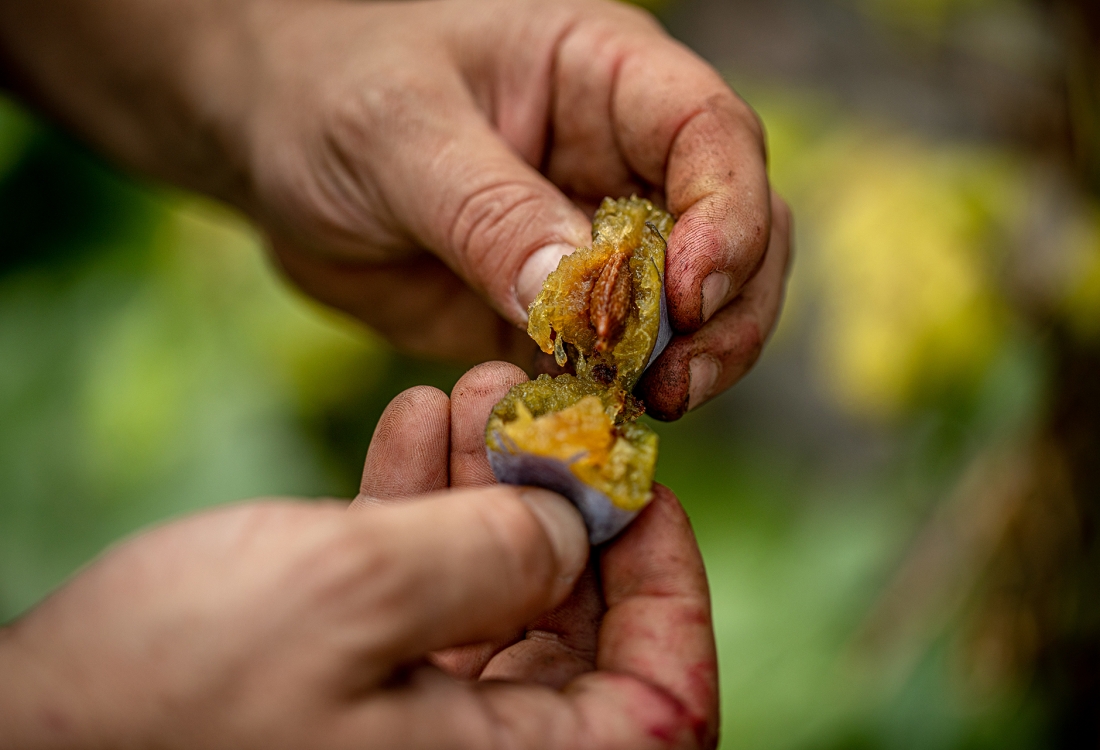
{"points": [[603, 309]]}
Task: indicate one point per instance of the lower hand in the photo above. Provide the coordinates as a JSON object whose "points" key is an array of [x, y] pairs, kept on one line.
{"points": [[287, 624]]}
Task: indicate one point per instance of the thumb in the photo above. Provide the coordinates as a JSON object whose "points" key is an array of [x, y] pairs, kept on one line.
{"points": [[467, 195], [465, 566]]}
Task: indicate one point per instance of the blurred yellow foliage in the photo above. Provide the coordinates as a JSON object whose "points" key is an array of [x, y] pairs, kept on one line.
{"points": [[905, 267], [900, 248]]}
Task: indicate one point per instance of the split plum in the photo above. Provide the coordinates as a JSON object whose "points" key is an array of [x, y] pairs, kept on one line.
{"points": [[603, 310]]}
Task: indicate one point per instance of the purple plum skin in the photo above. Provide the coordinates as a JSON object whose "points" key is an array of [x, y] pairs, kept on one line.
{"points": [[603, 518]]}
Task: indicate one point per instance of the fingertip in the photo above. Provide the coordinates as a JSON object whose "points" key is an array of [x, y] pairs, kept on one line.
{"points": [[716, 247], [408, 453], [487, 380], [664, 515], [472, 399]]}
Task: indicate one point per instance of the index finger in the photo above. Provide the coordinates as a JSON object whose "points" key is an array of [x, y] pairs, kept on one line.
{"points": [[681, 127]]}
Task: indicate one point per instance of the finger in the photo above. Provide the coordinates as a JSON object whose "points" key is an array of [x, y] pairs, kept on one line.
{"points": [[460, 190], [461, 567], [688, 131], [674, 125], [658, 622], [473, 397], [409, 453], [419, 305], [586, 160], [698, 366]]}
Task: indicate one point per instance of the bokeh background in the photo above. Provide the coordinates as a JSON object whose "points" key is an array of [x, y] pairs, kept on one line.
{"points": [[897, 507]]}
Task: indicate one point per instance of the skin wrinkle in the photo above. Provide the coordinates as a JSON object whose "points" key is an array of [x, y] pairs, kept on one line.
{"points": [[489, 217], [587, 655], [351, 159], [350, 192]]}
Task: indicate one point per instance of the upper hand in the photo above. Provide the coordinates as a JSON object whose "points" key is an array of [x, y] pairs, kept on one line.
{"points": [[486, 132]]}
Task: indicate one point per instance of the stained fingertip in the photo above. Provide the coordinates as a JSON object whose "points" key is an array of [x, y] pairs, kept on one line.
{"points": [[715, 249], [665, 387], [654, 574], [408, 453]]}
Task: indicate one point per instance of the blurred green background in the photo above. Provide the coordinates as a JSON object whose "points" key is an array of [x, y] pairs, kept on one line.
{"points": [[896, 507]]}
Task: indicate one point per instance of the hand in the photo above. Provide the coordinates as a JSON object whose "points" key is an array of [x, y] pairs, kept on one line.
{"points": [[487, 132], [286, 625], [362, 134]]}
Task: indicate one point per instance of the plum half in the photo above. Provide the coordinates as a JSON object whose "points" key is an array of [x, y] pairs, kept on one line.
{"points": [[604, 306], [603, 310]]}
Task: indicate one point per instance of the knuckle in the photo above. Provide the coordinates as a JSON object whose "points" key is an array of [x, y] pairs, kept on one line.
{"points": [[725, 105], [747, 344], [489, 219], [368, 104], [643, 17], [751, 121]]}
